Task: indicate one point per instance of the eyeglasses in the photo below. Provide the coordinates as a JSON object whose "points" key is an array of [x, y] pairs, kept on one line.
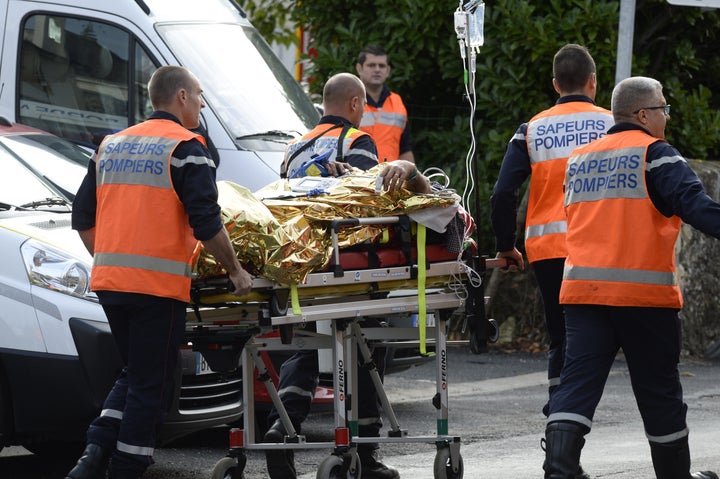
{"points": [[665, 108]]}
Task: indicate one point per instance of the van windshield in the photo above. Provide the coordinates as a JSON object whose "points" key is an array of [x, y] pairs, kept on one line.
{"points": [[253, 94]]}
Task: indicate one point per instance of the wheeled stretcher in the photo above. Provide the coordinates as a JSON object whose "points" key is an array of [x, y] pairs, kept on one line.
{"points": [[407, 276]]}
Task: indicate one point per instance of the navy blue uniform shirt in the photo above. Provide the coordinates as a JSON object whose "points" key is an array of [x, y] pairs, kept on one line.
{"points": [[673, 186]]}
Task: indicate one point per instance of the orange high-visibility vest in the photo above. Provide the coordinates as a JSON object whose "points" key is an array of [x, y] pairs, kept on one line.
{"points": [[386, 126], [143, 240], [551, 136], [620, 247], [325, 139]]}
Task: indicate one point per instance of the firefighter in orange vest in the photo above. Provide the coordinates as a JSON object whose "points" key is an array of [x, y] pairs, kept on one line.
{"points": [[342, 147], [626, 196], [148, 199], [385, 117], [540, 149]]}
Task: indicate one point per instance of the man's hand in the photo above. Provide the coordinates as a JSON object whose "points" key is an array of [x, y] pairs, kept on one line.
{"points": [[338, 168], [402, 173], [242, 281], [514, 260]]}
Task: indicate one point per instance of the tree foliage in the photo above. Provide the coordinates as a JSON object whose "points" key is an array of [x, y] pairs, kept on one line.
{"points": [[676, 45]]}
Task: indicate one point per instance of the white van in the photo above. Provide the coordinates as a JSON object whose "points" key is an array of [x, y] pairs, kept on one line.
{"points": [[79, 69]]}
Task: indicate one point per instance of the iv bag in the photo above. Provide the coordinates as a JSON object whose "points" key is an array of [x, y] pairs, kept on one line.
{"points": [[475, 23]]}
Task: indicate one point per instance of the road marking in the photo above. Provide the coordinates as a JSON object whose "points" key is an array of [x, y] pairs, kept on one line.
{"points": [[401, 390]]}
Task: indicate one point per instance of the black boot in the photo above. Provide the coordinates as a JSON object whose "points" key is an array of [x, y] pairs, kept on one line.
{"points": [[372, 468], [563, 444], [92, 464], [280, 462], [671, 460], [581, 474]]}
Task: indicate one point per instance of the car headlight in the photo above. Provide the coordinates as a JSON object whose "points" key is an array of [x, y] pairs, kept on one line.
{"points": [[53, 269]]}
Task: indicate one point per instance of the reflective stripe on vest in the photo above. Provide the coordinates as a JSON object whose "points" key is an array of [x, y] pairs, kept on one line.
{"points": [[551, 136], [592, 177], [555, 227], [620, 275], [123, 162], [149, 263], [611, 224]]}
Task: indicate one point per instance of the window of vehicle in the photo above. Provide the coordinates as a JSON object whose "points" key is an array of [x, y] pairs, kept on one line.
{"points": [[78, 77], [58, 161], [18, 185], [255, 97]]}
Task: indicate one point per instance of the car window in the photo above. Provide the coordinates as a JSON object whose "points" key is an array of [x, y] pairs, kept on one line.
{"points": [[57, 160], [18, 185], [78, 77]]}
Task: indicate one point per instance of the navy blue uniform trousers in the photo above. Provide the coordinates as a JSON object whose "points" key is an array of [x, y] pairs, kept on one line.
{"points": [[650, 339], [148, 332], [549, 274]]}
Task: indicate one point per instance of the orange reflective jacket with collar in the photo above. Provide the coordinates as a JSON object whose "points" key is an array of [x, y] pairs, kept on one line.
{"points": [[620, 247], [143, 240], [551, 137], [386, 126]]}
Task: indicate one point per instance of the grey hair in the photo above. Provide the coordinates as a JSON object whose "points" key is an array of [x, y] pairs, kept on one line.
{"points": [[632, 94]]}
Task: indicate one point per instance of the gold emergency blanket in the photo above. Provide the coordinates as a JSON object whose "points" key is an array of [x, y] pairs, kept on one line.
{"points": [[283, 237]]}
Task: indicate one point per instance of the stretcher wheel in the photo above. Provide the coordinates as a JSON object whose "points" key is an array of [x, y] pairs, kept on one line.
{"points": [[442, 468], [493, 330], [340, 467], [278, 306], [229, 468]]}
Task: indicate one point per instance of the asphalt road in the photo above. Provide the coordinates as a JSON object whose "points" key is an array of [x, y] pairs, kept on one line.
{"points": [[495, 404]]}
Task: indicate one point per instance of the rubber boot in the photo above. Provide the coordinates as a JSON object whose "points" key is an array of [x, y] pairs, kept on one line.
{"points": [[563, 443], [92, 464], [672, 461]]}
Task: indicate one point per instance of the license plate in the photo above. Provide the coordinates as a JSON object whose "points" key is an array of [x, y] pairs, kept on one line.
{"points": [[429, 320], [201, 366]]}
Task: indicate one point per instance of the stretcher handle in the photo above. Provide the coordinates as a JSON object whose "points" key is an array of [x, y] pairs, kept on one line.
{"points": [[501, 263]]}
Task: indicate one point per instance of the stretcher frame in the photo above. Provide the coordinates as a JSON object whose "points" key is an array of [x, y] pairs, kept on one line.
{"points": [[344, 314]]}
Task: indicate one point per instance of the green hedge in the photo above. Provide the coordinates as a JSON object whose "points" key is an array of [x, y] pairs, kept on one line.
{"points": [[676, 45]]}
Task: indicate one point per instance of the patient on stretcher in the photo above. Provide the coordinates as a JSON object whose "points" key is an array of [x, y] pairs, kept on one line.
{"points": [[281, 234]]}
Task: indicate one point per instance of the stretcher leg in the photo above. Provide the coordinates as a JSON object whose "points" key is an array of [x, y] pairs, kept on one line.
{"points": [[441, 392], [375, 376], [342, 371], [264, 376]]}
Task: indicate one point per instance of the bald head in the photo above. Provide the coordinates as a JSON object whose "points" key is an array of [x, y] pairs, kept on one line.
{"points": [[177, 91], [344, 96], [165, 83]]}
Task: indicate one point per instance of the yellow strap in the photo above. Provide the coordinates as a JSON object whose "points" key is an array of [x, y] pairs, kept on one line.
{"points": [[422, 277], [295, 300]]}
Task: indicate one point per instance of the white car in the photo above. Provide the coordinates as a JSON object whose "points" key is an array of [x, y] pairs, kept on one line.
{"points": [[57, 356]]}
